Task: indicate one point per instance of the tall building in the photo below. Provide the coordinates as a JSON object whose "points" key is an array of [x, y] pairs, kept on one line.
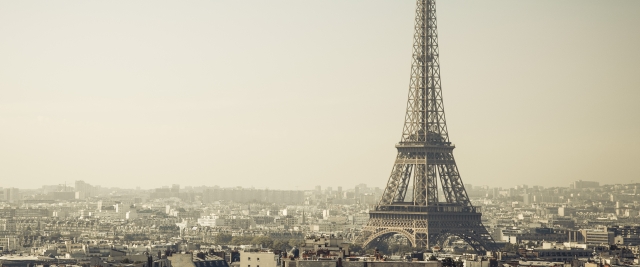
{"points": [[175, 189], [83, 189], [584, 184], [11, 195]]}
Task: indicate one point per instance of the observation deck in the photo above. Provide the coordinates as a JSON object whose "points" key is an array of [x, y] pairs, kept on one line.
{"points": [[437, 208]]}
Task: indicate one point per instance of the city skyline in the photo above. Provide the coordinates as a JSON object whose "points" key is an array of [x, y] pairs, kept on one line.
{"points": [[314, 93], [70, 186]]}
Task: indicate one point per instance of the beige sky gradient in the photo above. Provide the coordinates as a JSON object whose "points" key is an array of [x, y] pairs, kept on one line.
{"points": [[292, 94]]}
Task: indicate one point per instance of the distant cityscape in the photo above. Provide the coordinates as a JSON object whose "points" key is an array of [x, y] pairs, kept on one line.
{"points": [[82, 223], [425, 216]]}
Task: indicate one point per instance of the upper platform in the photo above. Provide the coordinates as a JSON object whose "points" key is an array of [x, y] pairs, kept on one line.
{"points": [[408, 207], [444, 147]]}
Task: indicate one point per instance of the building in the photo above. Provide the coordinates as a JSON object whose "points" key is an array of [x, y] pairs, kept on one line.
{"points": [[562, 255], [630, 240], [83, 189], [583, 184], [598, 237], [211, 221], [245, 195], [259, 259], [9, 243], [359, 218], [204, 260], [63, 195], [11, 195]]}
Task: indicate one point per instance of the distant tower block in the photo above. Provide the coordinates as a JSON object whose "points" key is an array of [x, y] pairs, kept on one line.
{"points": [[425, 157]]}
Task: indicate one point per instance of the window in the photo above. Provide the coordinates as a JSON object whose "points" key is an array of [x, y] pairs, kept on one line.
{"points": [[249, 258], [258, 259]]}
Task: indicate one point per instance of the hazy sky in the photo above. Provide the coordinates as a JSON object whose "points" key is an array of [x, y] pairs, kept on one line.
{"points": [[291, 94]]}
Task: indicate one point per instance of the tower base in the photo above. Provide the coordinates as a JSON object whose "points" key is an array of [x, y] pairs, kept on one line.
{"points": [[428, 226]]}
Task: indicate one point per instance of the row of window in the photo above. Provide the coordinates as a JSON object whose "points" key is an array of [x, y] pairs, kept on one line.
{"points": [[579, 254]]}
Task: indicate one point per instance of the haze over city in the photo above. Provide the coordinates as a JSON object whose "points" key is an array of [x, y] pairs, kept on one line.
{"points": [[275, 133], [291, 94]]}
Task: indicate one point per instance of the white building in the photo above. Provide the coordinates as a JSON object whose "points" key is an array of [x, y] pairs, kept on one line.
{"points": [[211, 221], [258, 259]]}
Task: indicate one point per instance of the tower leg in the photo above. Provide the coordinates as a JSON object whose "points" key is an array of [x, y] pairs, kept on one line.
{"points": [[422, 240]]}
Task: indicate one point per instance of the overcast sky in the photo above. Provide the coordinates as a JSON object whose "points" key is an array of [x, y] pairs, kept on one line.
{"points": [[292, 94]]}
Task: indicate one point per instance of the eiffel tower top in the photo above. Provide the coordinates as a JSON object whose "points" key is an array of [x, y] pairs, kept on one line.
{"points": [[425, 154], [425, 120]]}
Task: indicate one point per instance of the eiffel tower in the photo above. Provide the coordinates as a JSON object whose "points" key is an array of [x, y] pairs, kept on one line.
{"points": [[425, 157]]}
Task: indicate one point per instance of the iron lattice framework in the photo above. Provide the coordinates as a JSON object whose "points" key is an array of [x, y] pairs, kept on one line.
{"points": [[425, 157]]}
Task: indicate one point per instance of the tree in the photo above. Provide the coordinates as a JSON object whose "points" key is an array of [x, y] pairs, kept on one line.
{"points": [[356, 248], [55, 236], [448, 262], [394, 248], [280, 245], [223, 239], [400, 249], [132, 237], [241, 240], [382, 247], [510, 248], [129, 237], [296, 242], [264, 241]]}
